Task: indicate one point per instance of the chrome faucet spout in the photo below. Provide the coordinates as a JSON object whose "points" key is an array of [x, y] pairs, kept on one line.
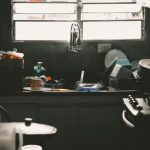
{"points": [[75, 39]]}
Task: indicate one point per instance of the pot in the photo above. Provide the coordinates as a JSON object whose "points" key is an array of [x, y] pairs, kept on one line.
{"points": [[143, 69]]}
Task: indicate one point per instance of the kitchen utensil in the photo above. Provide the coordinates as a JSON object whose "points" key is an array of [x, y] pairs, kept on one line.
{"points": [[82, 77]]}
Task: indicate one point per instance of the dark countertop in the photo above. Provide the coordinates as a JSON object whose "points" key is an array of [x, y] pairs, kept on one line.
{"points": [[74, 93]]}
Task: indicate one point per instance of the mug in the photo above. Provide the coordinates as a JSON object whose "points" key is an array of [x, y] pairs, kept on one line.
{"points": [[31, 147], [36, 83]]}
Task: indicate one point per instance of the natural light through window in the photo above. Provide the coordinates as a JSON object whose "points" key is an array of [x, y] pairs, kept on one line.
{"points": [[43, 8], [112, 30], [111, 8], [109, 1], [50, 20], [43, 30]]}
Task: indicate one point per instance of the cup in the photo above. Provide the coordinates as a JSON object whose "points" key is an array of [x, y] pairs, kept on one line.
{"points": [[36, 84], [31, 147]]}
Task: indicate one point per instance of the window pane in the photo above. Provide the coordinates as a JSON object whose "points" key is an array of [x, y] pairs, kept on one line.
{"points": [[110, 8], [28, 0], [61, 0], [112, 16], [42, 30], [112, 30], [43, 8], [44, 0], [109, 1], [44, 17]]}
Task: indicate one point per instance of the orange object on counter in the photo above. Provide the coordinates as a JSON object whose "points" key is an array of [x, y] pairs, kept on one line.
{"points": [[49, 78]]}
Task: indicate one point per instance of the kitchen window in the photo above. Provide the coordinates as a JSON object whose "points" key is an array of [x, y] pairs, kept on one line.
{"points": [[50, 20], [42, 20]]}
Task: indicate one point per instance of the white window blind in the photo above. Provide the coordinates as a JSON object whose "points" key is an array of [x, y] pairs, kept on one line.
{"points": [[99, 19], [116, 30], [108, 1], [37, 1], [42, 31], [112, 20], [39, 20], [42, 8]]}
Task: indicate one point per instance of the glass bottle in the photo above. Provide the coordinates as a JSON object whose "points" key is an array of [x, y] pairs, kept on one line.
{"points": [[39, 70]]}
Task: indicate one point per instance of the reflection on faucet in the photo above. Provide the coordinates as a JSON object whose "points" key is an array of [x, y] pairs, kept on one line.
{"points": [[75, 38]]}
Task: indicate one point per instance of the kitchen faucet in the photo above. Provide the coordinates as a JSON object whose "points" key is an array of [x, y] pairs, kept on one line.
{"points": [[75, 38]]}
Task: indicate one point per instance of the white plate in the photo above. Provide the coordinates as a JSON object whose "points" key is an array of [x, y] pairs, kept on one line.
{"points": [[112, 54], [42, 90]]}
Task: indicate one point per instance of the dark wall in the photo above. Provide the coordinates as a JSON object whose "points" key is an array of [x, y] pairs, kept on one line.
{"points": [[148, 31], [56, 60]]}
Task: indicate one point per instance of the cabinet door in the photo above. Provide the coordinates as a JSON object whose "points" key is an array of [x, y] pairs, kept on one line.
{"points": [[18, 112], [100, 126], [19, 107], [65, 119]]}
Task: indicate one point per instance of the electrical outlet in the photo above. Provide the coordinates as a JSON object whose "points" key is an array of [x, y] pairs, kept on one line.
{"points": [[104, 47]]}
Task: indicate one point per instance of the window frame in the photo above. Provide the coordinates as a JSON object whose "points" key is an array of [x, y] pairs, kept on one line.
{"points": [[79, 21]]}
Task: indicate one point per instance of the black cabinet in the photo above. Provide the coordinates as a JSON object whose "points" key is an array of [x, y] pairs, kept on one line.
{"points": [[19, 107], [100, 127], [83, 122], [65, 119], [20, 111]]}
